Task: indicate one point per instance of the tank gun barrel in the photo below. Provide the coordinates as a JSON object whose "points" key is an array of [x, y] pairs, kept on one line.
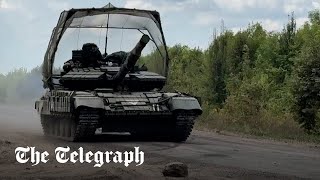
{"points": [[131, 59]]}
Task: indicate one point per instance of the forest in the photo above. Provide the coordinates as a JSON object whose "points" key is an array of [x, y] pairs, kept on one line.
{"points": [[252, 81]]}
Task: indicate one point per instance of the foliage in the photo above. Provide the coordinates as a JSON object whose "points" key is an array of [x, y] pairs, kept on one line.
{"points": [[255, 80], [307, 85], [20, 85], [187, 70]]}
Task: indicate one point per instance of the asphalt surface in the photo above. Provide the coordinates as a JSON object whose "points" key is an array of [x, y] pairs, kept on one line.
{"points": [[208, 155]]}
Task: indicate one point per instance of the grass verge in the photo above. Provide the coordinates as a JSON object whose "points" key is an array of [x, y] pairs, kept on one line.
{"points": [[261, 125]]}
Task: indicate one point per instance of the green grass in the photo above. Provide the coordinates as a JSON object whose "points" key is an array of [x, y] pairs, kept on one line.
{"points": [[262, 125]]}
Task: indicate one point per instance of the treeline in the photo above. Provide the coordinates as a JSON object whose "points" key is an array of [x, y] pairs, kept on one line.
{"points": [[254, 81], [20, 86]]}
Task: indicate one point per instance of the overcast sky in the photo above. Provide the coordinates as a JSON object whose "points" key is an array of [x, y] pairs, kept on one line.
{"points": [[26, 25]]}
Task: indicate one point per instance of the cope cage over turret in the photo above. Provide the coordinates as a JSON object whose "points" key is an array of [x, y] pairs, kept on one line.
{"points": [[105, 69], [114, 31]]}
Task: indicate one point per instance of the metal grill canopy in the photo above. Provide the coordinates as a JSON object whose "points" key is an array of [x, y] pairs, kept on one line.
{"points": [[78, 26]]}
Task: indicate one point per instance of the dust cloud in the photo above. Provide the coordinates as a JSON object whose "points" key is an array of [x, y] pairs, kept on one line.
{"points": [[22, 87], [19, 118], [19, 90]]}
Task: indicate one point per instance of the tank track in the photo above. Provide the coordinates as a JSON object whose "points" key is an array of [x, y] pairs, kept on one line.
{"points": [[87, 125], [178, 130], [184, 122], [80, 127]]}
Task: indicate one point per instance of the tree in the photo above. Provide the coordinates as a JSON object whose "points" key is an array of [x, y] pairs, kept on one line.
{"points": [[314, 17], [245, 61], [288, 50], [3, 89], [307, 87], [217, 55]]}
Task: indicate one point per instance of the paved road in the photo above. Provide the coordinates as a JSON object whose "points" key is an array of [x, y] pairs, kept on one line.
{"points": [[208, 155]]}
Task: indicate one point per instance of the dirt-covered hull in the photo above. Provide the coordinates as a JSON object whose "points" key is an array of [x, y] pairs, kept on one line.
{"points": [[75, 116]]}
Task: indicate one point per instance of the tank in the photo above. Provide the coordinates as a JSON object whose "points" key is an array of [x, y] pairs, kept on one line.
{"points": [[87, 90]]}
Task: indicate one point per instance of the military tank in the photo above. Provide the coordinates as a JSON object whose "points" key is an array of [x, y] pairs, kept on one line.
{"points": [[117, 92]]}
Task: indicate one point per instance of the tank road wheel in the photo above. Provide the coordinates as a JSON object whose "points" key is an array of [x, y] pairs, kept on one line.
{"points": [[72, 128], [67, 130], [51, 126], [79, 127], [45, 126], [184, 122], [57, 127], [63, 127]]}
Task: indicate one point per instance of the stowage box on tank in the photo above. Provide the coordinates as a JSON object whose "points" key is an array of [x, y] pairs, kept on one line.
{"points": [[117, 92]]}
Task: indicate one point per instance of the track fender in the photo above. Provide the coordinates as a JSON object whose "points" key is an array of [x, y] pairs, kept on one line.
{"points": [[91, 102], [185, 103]]}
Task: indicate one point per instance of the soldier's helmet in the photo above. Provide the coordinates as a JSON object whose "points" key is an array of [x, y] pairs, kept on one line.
{"points": [[91, 55]]}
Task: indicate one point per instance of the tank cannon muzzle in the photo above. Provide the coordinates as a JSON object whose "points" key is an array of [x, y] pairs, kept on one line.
{"points": [[131, 59]]}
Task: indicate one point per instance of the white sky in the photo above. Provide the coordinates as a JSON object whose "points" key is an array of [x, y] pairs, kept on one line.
{"points": [[26, 25]]}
